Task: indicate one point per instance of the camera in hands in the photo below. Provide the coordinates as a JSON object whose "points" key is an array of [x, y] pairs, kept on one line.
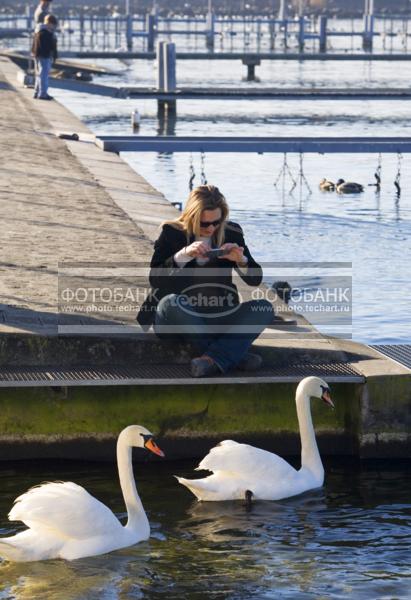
{"points": [[217, 252]]}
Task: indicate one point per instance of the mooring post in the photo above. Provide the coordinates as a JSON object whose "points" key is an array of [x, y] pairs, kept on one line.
{"points": [[368, 34], [170, 66], [160, 65], [371, 30], [210, 26], [129, 27], [161, 104], [170, 80], [129, 32], [272, 34], [81, 28], [166, 123], [251, 63], [323, 33], [301, 33], [151, 31]]}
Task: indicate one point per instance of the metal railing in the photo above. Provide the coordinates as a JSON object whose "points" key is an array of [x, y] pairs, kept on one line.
{"points": [[85, 31]]}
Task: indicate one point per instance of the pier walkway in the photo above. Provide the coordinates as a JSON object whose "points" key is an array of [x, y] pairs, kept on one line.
{"points": [[49, 191]]}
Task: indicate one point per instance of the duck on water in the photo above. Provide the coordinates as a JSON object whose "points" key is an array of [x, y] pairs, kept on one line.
{"points": [[348, 187]]}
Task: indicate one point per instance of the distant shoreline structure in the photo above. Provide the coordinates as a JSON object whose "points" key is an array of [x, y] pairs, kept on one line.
{"points": [[338, 8]]}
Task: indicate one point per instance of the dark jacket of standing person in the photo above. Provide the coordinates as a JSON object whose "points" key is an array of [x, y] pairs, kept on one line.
{"points": [[166, 277], [44, 44]]}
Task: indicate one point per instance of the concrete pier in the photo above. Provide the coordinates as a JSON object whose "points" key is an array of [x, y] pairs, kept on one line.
{"points": [[49, 189], [66, 201]]}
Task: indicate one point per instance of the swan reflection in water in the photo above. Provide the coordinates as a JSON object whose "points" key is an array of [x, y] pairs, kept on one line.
{"points": [[216, 521], [265, 546]]}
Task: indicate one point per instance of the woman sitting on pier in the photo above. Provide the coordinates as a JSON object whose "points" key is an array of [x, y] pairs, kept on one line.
{"points": [[193, 296]]}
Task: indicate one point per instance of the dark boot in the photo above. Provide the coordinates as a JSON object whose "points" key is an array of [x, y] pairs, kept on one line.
{"points": [[250, 362]]}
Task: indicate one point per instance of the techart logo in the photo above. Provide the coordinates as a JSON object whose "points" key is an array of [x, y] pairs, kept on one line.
{"points": [[222, 300]]}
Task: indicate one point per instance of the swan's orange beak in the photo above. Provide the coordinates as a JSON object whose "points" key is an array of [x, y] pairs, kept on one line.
{"points": [[327, 398], [152, 446]]}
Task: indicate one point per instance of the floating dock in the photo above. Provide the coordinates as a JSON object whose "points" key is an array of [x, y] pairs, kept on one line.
{"points": [[245, 57], [231, 93], [329, 145], [25, 61]]}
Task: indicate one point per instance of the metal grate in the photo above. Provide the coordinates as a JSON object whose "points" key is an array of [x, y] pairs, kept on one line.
{"points": [[167, 374], [401, 353]]}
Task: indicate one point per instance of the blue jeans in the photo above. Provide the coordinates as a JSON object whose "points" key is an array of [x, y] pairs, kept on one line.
{"points": [[41, 86], [226, 338]]}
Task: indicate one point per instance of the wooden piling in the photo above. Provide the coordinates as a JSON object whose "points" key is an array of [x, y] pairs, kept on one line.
{"points": [[323, 33]]}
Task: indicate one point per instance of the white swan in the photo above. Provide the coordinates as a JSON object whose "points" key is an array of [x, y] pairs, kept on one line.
{"points": [[239, 469], [65, 521]]}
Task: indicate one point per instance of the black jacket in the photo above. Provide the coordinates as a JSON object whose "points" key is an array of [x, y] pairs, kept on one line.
{"points": [[44, 44], [211, 280]]}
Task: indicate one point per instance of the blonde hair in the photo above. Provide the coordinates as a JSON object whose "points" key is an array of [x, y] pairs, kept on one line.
{"points": [[203, 197], [50, 20]]}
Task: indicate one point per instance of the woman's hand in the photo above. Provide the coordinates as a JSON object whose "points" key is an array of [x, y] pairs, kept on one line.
{"points": [[235, 253], [197, 249]]}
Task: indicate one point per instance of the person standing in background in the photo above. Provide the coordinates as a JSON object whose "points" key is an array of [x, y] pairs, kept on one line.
{"points": [[40, 13], [44, 50]]}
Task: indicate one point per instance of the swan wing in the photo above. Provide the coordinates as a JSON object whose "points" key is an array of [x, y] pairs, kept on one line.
{"points": [[66, 509], [241, 459]]}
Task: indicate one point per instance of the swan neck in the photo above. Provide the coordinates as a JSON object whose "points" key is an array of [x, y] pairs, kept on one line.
{"points": [[137, 518], [310, 456]]}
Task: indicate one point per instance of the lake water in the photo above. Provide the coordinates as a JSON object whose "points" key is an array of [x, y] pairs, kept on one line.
{"points": [[371, 230], [351, 538], [347, 540]]}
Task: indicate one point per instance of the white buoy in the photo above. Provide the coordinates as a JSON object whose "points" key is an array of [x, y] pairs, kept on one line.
{"points": [[135, 119]]}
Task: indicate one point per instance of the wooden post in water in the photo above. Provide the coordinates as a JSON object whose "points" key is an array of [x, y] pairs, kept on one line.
{"points": [[129, 32], [323, 33], [151, 31], [161, 104], [210, 26], [166, 77], [251, 63], [170, 67], [81, 28], [160, 65], [301, 33], [368, 34], [272, 33]]}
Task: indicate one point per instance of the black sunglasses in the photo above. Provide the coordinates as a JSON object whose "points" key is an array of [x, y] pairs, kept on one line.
{"points": [[206, 224]]}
